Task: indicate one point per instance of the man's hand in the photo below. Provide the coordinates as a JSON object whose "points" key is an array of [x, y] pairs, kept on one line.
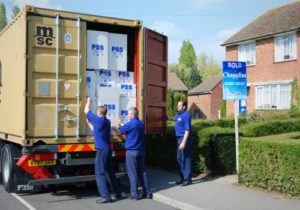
{"points": [[89, 100], [87, 106], [182, 146], [120, 122]]}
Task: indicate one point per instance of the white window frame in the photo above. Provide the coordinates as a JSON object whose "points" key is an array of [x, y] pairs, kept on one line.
{"points": [[269, 102], [280, 50], [247, 52]]}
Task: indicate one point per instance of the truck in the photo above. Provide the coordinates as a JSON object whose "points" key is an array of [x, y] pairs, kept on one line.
{"points": [[43, 69]]}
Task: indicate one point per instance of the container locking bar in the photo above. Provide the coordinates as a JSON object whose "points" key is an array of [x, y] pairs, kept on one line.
{"points": [[57, 77], [78, 79]]}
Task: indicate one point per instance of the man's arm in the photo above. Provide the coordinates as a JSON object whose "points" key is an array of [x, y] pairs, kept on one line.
{"points": [[187, 126], [185, 138], [87, 105], [90, 125]]}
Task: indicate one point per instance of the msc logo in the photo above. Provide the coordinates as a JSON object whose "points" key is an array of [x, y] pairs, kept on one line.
{"points": [[44, 35]]}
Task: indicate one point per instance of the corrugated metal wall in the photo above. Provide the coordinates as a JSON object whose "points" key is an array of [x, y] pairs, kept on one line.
{"points": [[12, 92]]}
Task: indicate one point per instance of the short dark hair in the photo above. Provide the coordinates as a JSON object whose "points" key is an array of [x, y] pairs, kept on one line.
{"points": [[102, 110], [184, 102], [134, 110]]}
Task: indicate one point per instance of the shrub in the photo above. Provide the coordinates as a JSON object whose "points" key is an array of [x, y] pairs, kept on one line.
{"points": [[161, 149], [271, 127], [212, 145], [267, 115], [271, 162]]}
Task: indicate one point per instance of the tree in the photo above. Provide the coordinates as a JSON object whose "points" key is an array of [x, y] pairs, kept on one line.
{"points": [[194, 78], [3, 20], [15, 11], [187, 54], [208, 67]]}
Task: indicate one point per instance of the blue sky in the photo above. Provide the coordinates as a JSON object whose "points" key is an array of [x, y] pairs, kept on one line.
{"points": [[206, 23]]}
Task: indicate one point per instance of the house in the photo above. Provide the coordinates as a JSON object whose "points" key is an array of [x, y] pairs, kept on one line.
{"points": [[270, 46], [175, 84], [204, 101]]}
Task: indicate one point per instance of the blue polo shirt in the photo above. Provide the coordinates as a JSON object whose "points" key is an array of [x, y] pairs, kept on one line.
{"points": [[183, 123], [101, 131], [134, 130]]}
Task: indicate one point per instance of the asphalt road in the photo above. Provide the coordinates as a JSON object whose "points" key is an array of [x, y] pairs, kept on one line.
{"points": [[71, 198]]}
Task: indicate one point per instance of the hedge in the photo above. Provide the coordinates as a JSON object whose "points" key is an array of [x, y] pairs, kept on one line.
{"points": [[271, 162], [207, 143], [267, 128]]}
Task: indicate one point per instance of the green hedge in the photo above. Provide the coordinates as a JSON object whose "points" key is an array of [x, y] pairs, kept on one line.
{"points": [[161, 150], [271, 162], [267, 128]]}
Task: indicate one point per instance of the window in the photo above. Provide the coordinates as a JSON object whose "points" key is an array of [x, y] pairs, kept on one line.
{"points": [[285, 47], [275, 96], [0, 74], [247, 53]]}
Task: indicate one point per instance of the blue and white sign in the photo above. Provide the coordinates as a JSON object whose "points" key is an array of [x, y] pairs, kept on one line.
{"points": [[234, 80]]}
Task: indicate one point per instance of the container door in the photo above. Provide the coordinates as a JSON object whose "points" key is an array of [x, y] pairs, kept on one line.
{"points": [[55, 66], [155, 81]]}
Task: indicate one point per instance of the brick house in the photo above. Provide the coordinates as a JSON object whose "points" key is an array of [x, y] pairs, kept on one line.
{"points": [[270, 45], [204, 100], [175, 84]]}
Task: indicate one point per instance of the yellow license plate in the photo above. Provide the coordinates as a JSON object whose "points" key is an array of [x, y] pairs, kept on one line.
{"points": [[41, 162]]}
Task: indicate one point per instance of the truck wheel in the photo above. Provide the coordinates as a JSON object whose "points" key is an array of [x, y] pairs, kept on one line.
{"points": [[9, 153]]}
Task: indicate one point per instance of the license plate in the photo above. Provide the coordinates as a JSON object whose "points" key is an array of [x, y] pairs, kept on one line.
{"points": [[41, 162]]}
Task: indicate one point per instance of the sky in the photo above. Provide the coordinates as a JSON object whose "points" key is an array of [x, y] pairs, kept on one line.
{"points": [[206, 23]]}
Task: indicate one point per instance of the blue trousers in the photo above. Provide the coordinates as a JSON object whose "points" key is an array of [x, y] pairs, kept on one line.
{"points": [[184, 159], [103, 170], [135, 163]]}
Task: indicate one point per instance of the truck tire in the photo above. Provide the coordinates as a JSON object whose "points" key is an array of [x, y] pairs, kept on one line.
{"points": [[8, 166]]}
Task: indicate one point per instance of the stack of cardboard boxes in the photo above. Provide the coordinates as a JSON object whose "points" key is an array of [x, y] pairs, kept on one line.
{"points": [[107, 80]]}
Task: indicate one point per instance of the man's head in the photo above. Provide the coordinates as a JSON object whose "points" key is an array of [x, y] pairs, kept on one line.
{"points": [[181, 105], [133, 113], [101, 111]]}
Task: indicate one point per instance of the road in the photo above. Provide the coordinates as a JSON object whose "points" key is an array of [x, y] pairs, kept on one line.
{"points": [[71, 198]]}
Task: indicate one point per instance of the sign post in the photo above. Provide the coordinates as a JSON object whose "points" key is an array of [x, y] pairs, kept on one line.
{"points": [[235, 88]]}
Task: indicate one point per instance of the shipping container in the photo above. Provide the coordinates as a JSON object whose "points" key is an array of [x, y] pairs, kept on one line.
{"points": [[44, 80]]}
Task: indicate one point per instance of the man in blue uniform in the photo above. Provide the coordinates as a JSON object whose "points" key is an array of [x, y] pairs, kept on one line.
{"points": [[183, 133], [103, 164], [135, 154]]}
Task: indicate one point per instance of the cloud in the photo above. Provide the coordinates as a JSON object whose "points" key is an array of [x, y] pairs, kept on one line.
{"points": [[226, 33], [168, 28]]}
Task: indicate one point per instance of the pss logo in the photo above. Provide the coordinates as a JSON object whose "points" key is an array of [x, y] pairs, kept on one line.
{"points": [[124, 74], [124, 112], [126, 87], [110, 107], [105, 73], [97, 49], [88, 79], [117, 51]]}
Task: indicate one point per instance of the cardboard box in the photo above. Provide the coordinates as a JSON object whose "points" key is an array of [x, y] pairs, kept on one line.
{"points": [[110, 97], [125, 104], [125, 77], [117, 53], [97, 49], [127, 89], [90, 84]]}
